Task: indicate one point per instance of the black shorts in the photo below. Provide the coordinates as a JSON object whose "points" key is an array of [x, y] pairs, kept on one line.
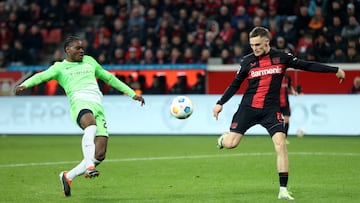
{"points": [[246, 117], [285, 110]]}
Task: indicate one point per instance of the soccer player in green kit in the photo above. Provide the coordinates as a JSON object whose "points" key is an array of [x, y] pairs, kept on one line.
{"points": [[78, 74]]}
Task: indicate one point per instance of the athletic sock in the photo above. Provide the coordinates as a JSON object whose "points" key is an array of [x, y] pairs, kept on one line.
{"points": [[88, 145], [283, 177], [78, 170]]}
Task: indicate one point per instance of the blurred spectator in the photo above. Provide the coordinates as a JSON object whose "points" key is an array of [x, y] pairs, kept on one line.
{"points": [[211, 8], [189, 56], [240, 15], [223, 16], [4, 13], [53, 15], [134, 84], [227, 32], [303, 46], [132, 57], [18, 54], [316, 4], [282, 44], [181, 86], [337, 42], [350, 11], [352, 55], [105, 47], [317, 21], [337, 56], [199, 86], [6, 35], [3, 62], [158, 85], [205, 56], [217, 46], [165, 45], [118, 56], [34, 44], [176, 42], [57, 56], [108, 17], [160, 57], [149, 44], [119, 28], [289, 31], [119, 42], [352, 29], [321, 48], [134, 49], [226, 57], [355, 89], [148, 57], [21, 33], [176, 56], [34, 13], [73, 16], [238, 53], [302, 20], [335, 8], [335, 27]]}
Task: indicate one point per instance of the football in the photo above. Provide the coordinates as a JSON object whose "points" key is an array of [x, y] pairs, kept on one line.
{"points": [[181, 107]]}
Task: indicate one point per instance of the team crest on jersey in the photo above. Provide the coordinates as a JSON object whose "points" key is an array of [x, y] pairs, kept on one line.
{"points": [[275, 60], [233, 125]]}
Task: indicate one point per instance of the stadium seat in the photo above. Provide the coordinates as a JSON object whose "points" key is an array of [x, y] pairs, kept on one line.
{"points": [[52, 36], [87, 9]]}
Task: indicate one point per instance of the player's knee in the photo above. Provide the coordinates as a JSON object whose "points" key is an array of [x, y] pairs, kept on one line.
{"points": [[231, 140]]}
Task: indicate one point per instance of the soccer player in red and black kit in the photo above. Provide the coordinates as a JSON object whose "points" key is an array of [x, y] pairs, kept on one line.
{"points": [[264, 70], [286, 87]]}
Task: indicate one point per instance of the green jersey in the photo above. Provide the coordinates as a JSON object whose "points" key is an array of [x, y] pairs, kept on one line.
{"points": [[79, 79]]}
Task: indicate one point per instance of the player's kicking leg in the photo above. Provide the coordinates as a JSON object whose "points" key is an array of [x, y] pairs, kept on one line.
{"points": [[229, 140]]}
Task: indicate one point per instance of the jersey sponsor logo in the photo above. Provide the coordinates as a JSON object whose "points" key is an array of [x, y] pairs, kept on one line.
{"points": [[266, 71]]}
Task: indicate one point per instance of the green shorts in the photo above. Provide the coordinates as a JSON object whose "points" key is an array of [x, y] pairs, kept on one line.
{"points": [[98, 112]]}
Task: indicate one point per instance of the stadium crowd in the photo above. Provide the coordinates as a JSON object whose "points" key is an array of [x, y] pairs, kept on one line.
{"points": [[180, 31]]}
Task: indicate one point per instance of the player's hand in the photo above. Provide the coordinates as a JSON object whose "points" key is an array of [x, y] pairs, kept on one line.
{"points": [[139, 98], [340, 74], [19, 89], [216, 110]]}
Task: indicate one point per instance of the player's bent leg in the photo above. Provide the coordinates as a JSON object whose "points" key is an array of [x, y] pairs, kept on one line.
{"points": [[100, 152], [100, 148], [279, 141], [229, 140]]}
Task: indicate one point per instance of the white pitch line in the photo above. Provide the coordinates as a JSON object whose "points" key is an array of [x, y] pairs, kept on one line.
{"points": [[182, 157]]}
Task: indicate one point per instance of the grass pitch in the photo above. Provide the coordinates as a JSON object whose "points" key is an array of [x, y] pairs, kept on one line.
{"points": [[180, 169]]}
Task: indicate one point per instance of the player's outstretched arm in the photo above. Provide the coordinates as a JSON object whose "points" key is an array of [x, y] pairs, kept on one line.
{"points": [[139, 98], [19, 89], [340, 74], [216, 110]]}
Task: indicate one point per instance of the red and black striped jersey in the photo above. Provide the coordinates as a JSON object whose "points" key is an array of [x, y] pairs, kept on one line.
{"points": [[264, 75], [284, 91]]}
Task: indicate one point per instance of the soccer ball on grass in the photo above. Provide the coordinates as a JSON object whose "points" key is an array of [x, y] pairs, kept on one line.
{"points": [[181, 107]]}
